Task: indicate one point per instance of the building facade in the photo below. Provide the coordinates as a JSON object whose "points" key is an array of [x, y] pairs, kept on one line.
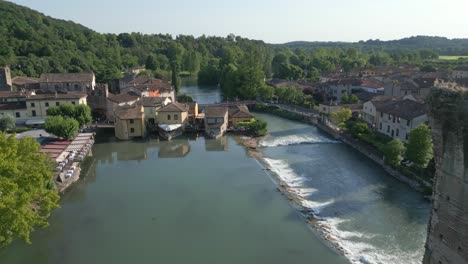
{"points": [[67, 82], [5, 79]]}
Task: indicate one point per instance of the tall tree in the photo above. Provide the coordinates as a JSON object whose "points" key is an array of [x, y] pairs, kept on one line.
{"points": [[419, 148], [26, 188]]}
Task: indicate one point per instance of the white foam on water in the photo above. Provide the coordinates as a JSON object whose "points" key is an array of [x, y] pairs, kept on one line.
{"points": [[285, 173], [271, 141], [352, 243]]}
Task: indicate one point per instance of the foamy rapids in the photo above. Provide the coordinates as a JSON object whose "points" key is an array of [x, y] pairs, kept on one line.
{"points": [[294, 186]]}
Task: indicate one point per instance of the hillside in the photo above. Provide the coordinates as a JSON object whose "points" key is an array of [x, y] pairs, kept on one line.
{"points": [[441, 45], [33, 43]]}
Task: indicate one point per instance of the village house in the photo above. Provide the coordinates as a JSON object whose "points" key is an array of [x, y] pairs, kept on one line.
{"points": [[239, 113], [326, 109], [25, 83], [129, 121], [5, 79], [38, 104], [173, 113], [116, 100], [401, 86], [398, 118], [31, 108], [460, 72], [335, 89], [216, 121], [151, 106], [149, 87], [63, 82]]}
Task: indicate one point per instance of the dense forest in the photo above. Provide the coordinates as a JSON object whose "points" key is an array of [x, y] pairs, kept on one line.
{"points": [[441, 45], [33, 43]]}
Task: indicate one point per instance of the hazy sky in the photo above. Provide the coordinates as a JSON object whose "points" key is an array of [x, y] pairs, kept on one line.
{"points": [[274, 21]]}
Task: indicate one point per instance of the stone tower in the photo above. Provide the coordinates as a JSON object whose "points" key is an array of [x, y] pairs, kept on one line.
{"points": [[447, 240], [5, 79]]}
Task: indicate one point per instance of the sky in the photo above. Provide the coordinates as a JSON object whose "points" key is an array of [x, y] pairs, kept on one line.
{"points": [[273, 21]]}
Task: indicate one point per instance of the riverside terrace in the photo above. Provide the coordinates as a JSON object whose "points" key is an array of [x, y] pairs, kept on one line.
{"points": [[67, 155]]}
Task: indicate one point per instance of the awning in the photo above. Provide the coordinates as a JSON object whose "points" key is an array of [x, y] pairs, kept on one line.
{"points": [[39, 121], [168, 128]]}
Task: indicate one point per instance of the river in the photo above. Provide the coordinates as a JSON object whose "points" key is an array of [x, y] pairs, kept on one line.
{"points": [[194, 200]]}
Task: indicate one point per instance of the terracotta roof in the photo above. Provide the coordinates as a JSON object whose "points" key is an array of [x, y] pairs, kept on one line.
{"points": [[365, 96], [240, 111], [372, 83], [140, 80], [175, 107], [152, 101], [215, 111], [13, 106], [123, 98], [128, 112], [67, 77], [404, 108], [12, 94], [70, 95], [20, 80]]}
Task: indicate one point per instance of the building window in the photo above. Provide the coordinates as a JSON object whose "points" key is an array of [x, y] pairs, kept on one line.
{"points": [[176, 117], [394, 119], [47, 104], [18, 114], [168, 117], [76, 86], [393, 132], [33, 105], [132, 130], [406, 136], [33, 112], [56, 87], [131, 121], [380, 126], [398, 120], [381, 114], [73, 102], [388, 129], [389, 117], [397, 132], [407, 123], [57, 103]]}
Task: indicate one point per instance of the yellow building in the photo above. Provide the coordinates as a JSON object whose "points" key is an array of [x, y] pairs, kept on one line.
{"points": [[129, 121], [152, 105], [38, 104], [174, 113]]}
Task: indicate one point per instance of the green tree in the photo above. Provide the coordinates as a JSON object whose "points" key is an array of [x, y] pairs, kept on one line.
{"points": [[341, 116], [151, 63], [251, 76], [393, 152], [419, 148], [25, 187], [81, 113], [7, 122], [62, 127], [353, 99], [266, 92], [345, 98]]}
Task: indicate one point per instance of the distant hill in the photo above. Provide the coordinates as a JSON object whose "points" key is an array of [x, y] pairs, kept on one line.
{"points": [[441, 45]]}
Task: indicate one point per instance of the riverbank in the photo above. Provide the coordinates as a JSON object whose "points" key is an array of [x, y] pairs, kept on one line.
{"points": [[417, 184]]}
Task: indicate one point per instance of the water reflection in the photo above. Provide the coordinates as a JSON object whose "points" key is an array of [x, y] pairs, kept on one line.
{"points": [[220, 144], [176, 148]]}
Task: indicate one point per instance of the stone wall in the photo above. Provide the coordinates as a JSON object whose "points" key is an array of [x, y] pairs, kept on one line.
{"points": [[447, 240]]}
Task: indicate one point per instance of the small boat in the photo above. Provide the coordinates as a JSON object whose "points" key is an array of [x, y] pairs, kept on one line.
{"points": [[169, 132]]}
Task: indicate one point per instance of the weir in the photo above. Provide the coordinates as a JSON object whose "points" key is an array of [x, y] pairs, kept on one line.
{"points": [[447, 240]]}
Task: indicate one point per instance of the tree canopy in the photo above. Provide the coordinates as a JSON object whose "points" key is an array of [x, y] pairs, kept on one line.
{"points": [[7, 122], [62, 127], [81, 113], [26, 188], [419, 148]]}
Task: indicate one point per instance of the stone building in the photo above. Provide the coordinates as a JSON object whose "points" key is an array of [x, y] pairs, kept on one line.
{"points": [[5, 79], [63, 82], [447, 240], [129, 121], [25, 83]]}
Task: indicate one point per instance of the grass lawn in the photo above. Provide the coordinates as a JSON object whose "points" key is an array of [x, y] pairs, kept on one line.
{"points": [[452, 57]]}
